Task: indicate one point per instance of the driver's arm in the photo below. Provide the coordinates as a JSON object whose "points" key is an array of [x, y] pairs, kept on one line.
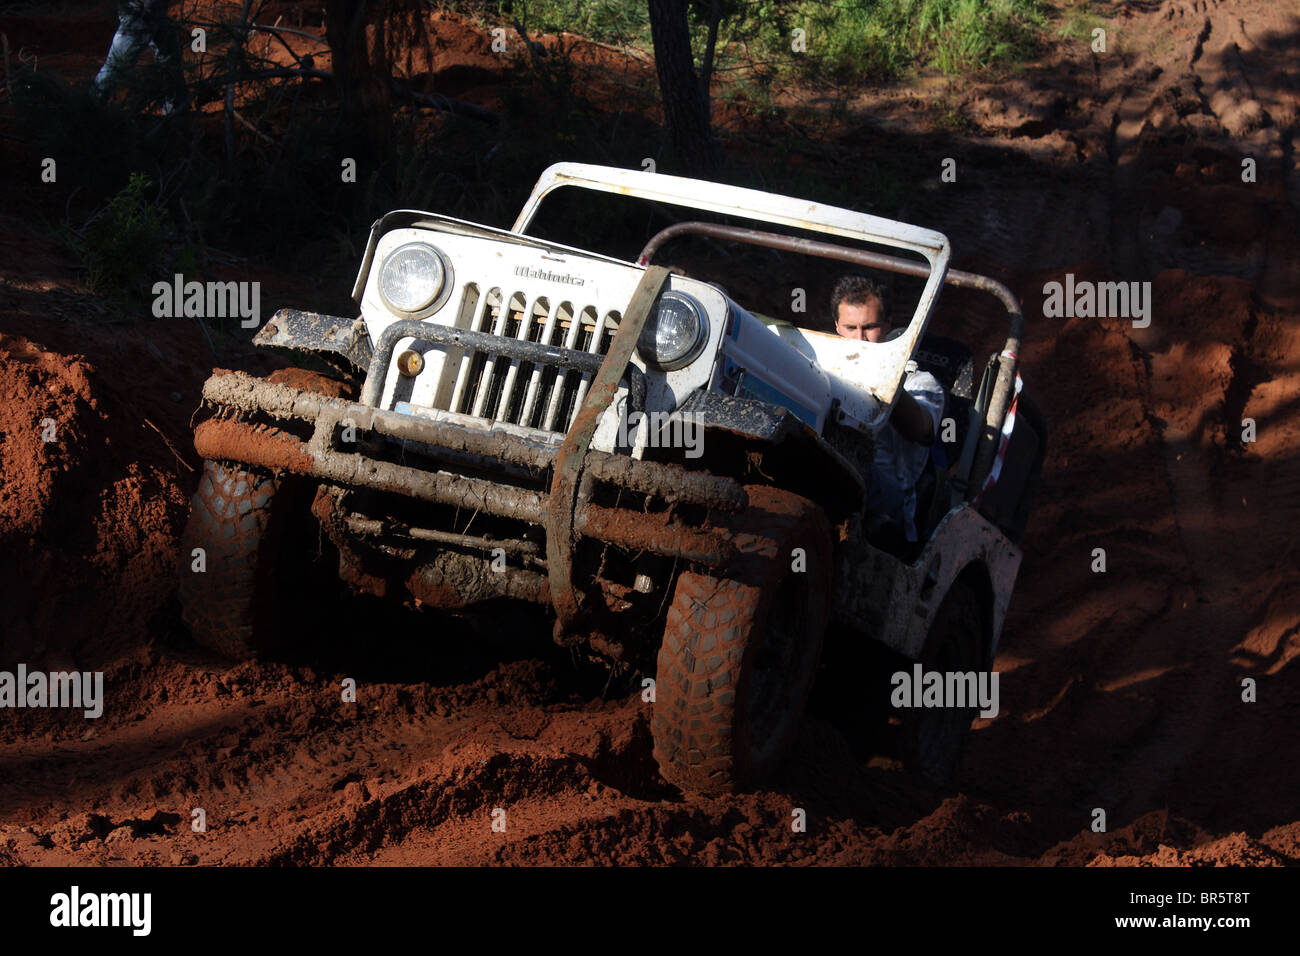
{"points": [[918, 407], [911, 420]]}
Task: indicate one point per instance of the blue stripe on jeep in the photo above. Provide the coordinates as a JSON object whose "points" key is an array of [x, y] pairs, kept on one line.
{"points": [[753, 387]]}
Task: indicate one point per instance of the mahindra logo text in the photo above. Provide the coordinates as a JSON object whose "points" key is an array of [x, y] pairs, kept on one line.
{"points": [[526, 272]]}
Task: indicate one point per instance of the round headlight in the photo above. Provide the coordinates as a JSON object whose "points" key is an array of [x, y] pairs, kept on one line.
{"points": [[412, 277], [674, 333]]}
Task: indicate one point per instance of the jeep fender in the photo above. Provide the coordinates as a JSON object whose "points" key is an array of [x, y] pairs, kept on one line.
{"points": [[794, 456], [895, 603]]}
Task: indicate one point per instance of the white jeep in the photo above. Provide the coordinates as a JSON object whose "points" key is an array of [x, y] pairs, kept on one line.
{"points": [[683, 482]]}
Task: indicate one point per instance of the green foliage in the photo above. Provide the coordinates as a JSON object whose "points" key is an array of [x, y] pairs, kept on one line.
{"points": [[846, 40], [609, 21], [978, 35], [854, 39], [123, 245], [947, 114], [1079, 22]]}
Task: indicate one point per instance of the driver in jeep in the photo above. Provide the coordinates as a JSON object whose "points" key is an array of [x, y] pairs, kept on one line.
{"points": [[860, 308]]}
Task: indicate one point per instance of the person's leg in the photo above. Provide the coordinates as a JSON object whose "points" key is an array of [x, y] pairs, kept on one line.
{"points": [[129, 39], [167, 51]]}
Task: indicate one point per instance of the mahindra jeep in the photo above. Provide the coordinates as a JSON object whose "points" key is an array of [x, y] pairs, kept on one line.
{"points": [[684, 483]]}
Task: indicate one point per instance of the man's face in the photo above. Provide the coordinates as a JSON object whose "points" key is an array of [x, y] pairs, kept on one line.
{"points": [[864, 321]]}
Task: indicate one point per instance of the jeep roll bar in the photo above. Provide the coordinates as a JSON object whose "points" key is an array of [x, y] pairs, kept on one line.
{"points": [[1009, 359], [737, 201], [828, 250], [787, 211], [754, 204]]}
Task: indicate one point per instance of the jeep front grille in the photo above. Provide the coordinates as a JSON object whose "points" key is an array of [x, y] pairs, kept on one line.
{"points": [[516, 391]]}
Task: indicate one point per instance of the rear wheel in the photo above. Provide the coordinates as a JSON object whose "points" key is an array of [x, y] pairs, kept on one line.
{"points": [[740, 651], [934, 737]]}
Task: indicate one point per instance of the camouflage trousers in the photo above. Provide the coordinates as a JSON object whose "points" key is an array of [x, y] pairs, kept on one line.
{"points": [[141, 23]]}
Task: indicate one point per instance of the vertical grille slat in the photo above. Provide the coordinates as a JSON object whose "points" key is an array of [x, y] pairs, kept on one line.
{"points": [[599, 345], [548, 333], [488, 377], [525, 327], [562, 377], [470, 359], [534, 380], [520, 391]]}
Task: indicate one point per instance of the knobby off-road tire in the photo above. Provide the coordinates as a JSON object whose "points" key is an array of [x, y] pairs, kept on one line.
{"points": [[259, 539], [740, 651], [239, 518], [934, 738]]}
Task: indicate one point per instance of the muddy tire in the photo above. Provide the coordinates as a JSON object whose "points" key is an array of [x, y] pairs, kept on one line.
{"points": [[238, 518], [740, 651], [933, 739], [261, 544]]}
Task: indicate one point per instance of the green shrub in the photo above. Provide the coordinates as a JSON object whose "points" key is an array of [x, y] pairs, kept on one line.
{"points": [[609, 21], [886, 37], [123, 245], [846, 40], [1079, 23]]}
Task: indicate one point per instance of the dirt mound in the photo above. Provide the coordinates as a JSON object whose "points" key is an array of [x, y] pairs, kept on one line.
{"points": [[1158, 839], [80, 512]]}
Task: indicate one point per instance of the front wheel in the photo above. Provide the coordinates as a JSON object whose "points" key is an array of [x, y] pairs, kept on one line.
{"points": [[231, 563], [740, 650], [249, 552]]}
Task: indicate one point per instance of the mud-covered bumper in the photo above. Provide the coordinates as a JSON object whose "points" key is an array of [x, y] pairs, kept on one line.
{"points": [[352, 445]]}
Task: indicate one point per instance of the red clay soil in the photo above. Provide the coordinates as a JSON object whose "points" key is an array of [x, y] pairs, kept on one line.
{"points": [[1121, 690]]}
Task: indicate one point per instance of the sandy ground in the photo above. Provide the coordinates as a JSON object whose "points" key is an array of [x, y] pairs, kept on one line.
{"points": [[1120, 691]]}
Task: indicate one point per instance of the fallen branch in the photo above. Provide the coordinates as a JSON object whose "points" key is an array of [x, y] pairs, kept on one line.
{"points": [[276, 28], [445, 104], [170, 446], [247, 125], [271, 74], [629, 51], [535, 50]]}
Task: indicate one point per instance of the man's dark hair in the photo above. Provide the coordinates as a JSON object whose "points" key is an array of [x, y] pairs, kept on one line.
{"points": [[858, 290]]}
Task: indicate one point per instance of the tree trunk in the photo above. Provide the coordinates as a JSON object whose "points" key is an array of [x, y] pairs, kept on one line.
{"points": [[710, 48], [360, 72], [686, 105]]}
